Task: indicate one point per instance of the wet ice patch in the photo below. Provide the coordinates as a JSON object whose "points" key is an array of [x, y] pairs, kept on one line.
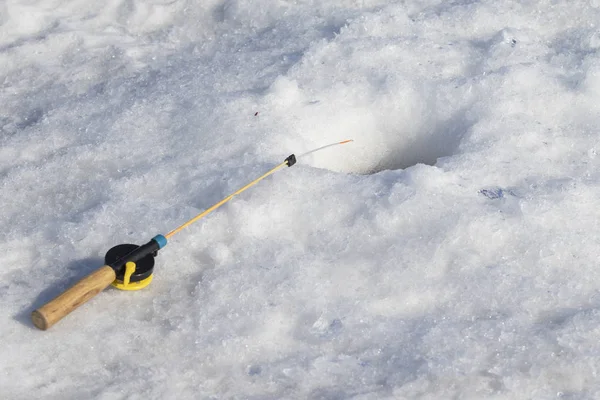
{"points": [[496, 193]]}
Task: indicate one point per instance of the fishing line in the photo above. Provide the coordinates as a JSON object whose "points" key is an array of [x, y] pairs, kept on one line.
{"points": [[324, 147]]}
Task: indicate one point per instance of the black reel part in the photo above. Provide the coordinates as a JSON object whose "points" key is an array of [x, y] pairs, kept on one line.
{"points": [[143, 266]]}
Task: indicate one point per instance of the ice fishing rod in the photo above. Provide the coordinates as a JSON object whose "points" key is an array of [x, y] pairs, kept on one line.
{"points": [[129, 266]]}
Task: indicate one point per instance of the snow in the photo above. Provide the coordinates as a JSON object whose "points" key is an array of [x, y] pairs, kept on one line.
{"points": [[450, 251]]}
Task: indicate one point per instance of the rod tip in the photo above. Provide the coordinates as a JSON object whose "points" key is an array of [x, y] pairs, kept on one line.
{"points": [[291, 160]]}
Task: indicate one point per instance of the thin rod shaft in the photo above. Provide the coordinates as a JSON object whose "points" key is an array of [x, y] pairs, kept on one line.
{"points": [[225, 200]]}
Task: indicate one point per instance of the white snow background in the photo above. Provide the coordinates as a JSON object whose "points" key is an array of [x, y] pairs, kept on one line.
{"points": [[452, 251]]}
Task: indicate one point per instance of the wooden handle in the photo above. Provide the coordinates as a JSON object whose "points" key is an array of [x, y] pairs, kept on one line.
{"points": [[55, 310]]}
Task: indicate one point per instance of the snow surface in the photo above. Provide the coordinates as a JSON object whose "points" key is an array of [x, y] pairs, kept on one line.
{"points": [[450, 252]]}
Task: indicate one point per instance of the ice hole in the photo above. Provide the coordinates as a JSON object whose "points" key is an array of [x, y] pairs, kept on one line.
{"points": [[390, 150]]}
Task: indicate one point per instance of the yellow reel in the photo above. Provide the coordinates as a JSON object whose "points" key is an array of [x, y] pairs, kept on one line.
{"points": [[126, 283]]}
